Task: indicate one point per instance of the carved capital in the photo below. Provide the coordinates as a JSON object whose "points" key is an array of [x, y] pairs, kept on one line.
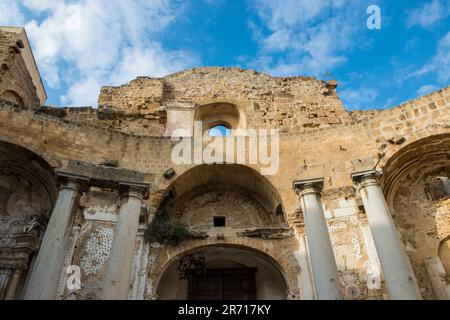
{"points": [[366, 178], [15, 257], [134, 189], [72, 181], [302, 187]]}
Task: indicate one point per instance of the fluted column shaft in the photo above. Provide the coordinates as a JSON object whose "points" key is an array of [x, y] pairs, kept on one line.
{"points": [[13, 284], [397, 270], [323, 263], [5, 275], [44, 276], [120, 262]]}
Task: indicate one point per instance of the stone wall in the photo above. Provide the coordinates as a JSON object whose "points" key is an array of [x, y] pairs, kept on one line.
{"points": [[291, 104], [318, 138], [14, 75]]}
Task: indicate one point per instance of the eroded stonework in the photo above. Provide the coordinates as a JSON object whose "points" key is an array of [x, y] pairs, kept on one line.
{"points": [[115, 173]]}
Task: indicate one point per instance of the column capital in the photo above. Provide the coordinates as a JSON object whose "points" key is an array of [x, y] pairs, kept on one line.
{"points": [[73, 181], [366, 177], [133, 189], [305, 186]]}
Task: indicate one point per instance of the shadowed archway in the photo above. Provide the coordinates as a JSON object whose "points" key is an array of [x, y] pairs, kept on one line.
{"points": [[229, 272]]}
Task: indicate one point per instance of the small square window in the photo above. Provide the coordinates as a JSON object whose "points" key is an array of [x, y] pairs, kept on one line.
{"points": [[219, 221]]}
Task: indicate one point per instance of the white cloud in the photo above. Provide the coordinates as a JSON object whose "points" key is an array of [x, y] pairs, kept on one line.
{"points": [[359, 98], [10, 14], [40, 5], [309, 37], [83, 44], [440, 63], [428, 14], [83, 92], [441, 60], [425, 89], [151, 60], [214, 2]]}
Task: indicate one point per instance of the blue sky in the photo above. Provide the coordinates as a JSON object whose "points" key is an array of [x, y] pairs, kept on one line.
{"points": [[80, 45]]}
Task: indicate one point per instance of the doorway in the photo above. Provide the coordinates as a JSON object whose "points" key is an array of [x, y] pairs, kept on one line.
{"points": [[223, 284], [229, 272]]}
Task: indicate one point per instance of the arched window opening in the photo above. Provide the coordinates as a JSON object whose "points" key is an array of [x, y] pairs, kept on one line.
{"points": [[13, 97], [219, 130], [217, 119]]}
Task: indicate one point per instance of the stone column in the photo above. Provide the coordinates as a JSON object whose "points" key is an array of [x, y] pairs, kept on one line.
{"points": [[44, 276], [323, 264], [394, 261], [5, 275], [120, 262], [140, 264], [62, 284], [13, 284]]}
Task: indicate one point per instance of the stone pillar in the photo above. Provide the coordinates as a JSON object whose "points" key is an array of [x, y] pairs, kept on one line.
{"points": [[140, 264], [323, 264], [306, 280], [120, 262], [394, 261], [62, 284], [13, 284], [5, 275], [44, 276]]}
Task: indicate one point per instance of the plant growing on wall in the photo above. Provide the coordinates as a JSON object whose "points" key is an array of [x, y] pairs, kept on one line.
{"points": [[166, 231]]}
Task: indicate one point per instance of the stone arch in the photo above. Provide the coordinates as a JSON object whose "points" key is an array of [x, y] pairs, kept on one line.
{"points": [[39, 150], [212, 184], [426, 153], [418, 135], [13, 97], [27, 196], [31, 165], [220, 113], [413, 183], [232, 256], [226, 177]]}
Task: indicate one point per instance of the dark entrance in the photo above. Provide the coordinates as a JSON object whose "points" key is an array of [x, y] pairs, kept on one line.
{"points": [[223, 284]]}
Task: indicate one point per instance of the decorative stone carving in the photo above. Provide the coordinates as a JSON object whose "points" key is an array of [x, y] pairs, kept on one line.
{"points": [[191, 265], [268, 233], [97, 249], [151, 295], [23, 221], [436, 272], [197, 234], [24, 210], [292, 294], [438, 188]]}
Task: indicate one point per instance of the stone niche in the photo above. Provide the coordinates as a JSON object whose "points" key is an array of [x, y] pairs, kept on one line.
{"points": [[27, 195], [239, 211], [421, 212], [225, 199]]}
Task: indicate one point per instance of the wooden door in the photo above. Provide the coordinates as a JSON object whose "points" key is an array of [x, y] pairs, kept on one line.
{"points": [[223, 284]]}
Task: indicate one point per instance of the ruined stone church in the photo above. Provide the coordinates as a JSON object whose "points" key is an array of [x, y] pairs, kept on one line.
{"points": [[93, 206]]}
